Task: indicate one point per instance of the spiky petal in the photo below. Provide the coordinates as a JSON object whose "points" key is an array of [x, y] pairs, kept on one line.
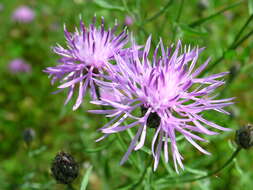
{"points": [[166, 89], [86, 58]]}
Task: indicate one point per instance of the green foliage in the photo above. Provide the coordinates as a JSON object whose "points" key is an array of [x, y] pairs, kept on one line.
{"points": [[106, 5], [250, 4], [26, 99]]}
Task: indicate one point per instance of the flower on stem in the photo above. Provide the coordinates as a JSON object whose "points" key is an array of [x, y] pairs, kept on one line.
{"points": [[172, 98], [129, 20], [64, 168], [23, 14], [87, 58], [244, 136]]}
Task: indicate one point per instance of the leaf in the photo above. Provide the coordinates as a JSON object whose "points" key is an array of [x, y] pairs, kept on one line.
{"points": [[146, 150], [86, 178], [204, 184], [238, 168], [98, 149], [148, 181], [230, 55], [231, 145], [106, 5], [126, 187], [250, 6], [195, 171], [202, 20], [247, 68], [192, 31], [38, 151]]}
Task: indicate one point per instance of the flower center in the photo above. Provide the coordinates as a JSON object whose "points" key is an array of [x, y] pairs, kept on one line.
{"points": [[153, 120]]}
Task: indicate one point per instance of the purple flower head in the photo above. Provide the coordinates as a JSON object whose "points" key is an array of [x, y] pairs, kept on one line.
{"points": [[23, 14], [128, 21], [171, 96], [87, 58], [19, 65]]}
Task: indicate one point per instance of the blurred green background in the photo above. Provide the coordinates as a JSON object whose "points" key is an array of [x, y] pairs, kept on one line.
{"points": [[26, 99]]}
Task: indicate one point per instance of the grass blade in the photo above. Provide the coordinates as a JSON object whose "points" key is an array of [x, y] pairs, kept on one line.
{"points": [[86, 178], [202, 20], [250, 6], [106, 5]]}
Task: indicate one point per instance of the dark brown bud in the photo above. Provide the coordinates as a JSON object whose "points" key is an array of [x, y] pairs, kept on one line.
{"points": [[64, 168], [153, 120], [28, 135], [244, 136]]}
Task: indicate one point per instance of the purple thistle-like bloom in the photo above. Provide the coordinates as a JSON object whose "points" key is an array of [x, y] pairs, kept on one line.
{"points": [[110, 94], [19, 65], [172, 99], [23, 14], [87, 58]]}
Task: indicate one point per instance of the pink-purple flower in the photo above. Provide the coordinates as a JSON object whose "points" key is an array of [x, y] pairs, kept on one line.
{"points": [[172, 98], [87, 59], [128, 20], [23, 14], [110, 94], [18, 66]]}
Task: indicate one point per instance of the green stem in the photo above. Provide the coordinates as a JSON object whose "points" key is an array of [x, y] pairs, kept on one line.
{"points": [[217, 170], [242, 40], [163, 23], [143, 174], [234, 73], [146, 34], [140, 180], [242, 29], [202, 20], [180, 11], [141, 23], [159, 13], [223, 55], [211, 67], [127, 9], [70, 187], [233, 46], [98, 149], [123, 145], [175, 28], [178, 180]]}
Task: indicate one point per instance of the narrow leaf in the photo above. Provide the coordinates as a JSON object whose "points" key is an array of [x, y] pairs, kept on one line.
{"points": [[192, 31], [202, 20], [250, 6], [86, 178], [230, 55], [106, 5]]}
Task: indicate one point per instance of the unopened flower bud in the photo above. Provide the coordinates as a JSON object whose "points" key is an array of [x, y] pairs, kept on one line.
{"points": [[244, 136], [28, 135], [233, 71], [64, 168], [203, 4]]}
